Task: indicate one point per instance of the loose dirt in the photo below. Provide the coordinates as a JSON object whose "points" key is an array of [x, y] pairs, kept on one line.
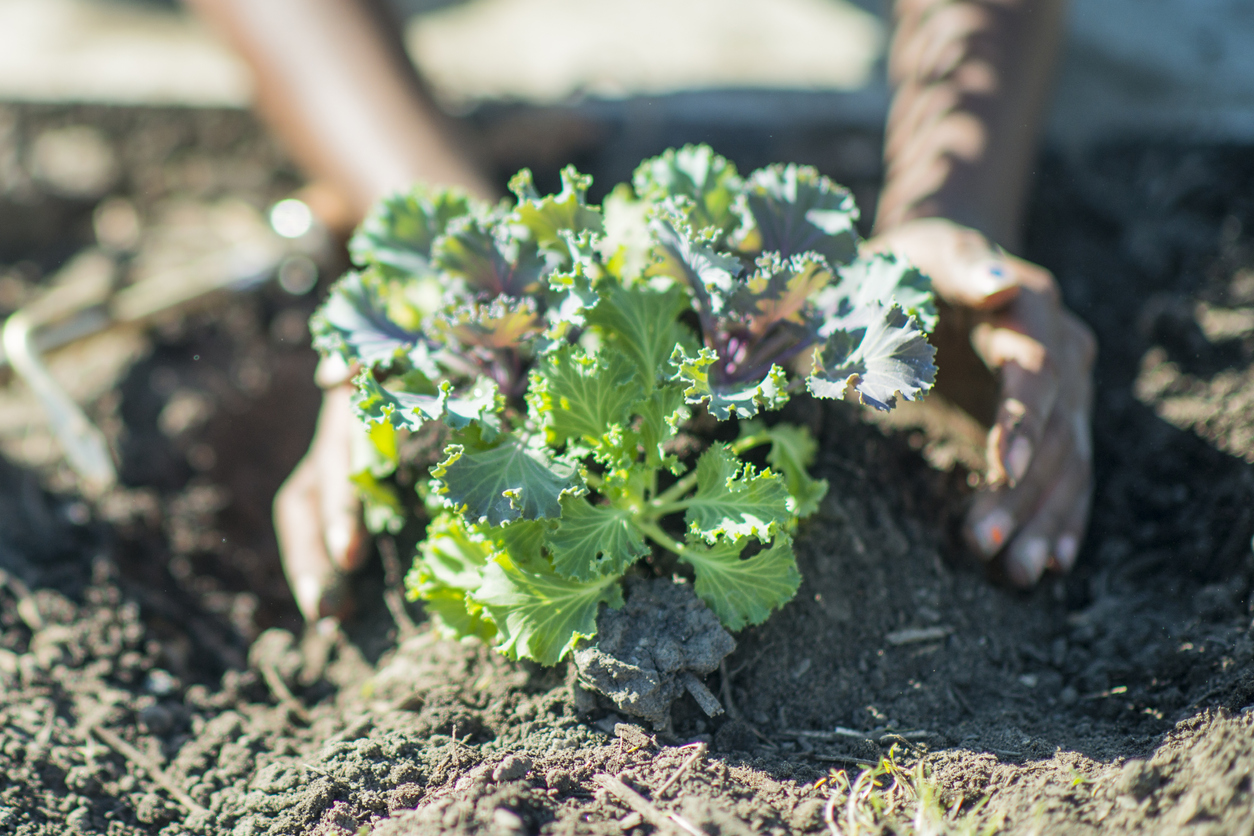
{"points": [[155, 677]]}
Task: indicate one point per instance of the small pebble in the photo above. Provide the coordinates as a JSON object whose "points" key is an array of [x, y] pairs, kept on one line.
{"points": [[511, 768]]}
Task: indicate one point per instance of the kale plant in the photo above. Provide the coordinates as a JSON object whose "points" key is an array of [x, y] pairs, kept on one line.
{"points": [[560, 348]]}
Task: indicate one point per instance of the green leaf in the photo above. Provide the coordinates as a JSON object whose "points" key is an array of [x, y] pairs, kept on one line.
{"points": [[591, 541], [740, 398], [449, 564], [505, 483], [577, 396], [644, 324], [502, 322], [883, 278], [735, 502], [547, 218], [627, 243], [795, 210], [399, 230], [744, 591], [792, 453], [697, 173], [879, 352], [575, 296], [381, 506], [540, 614], [489, 259], [353, 323], [661, 415], [457, 616], [376, 404]]}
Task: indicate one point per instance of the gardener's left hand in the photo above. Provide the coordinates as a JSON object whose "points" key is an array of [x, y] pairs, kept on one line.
{"points": [[317, 515], [1035, 509]]}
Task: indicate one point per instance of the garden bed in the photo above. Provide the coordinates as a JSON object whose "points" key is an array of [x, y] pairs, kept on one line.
{"points": [[137, 696]]}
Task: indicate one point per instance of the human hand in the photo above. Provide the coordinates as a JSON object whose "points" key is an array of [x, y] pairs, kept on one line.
{"points": [[1039, 482], [317, 515]]}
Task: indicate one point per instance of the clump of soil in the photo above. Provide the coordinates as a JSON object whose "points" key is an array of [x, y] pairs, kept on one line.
{"points": [[654, 649], [155, 679]]}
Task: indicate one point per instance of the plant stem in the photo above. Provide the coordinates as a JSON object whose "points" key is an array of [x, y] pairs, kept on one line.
{"points": [[685, 484], [657, 535]]}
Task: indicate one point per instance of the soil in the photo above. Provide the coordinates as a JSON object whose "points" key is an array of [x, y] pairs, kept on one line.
{"points": [[156, 679]]}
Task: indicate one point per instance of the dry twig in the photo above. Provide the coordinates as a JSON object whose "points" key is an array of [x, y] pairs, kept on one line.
{"points": [[139, 759], [683, 767], [282, 693], [669, 822]]}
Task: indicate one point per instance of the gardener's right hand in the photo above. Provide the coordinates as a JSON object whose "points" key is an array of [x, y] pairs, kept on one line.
{"points": [[1035, 508], [317, 515]]}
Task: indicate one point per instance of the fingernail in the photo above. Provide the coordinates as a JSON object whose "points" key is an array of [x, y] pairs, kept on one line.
{"points": [[338, 539], [1018, 457], [308, 594], [991, 532], [993, 276], [1065, 551], [1027, 560]]}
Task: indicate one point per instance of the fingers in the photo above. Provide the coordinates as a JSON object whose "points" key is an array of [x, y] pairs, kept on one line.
{"points": [[1029, 385], [996, 515], [1052, 536], [338, 503], [298, 526], [1039, 522], [317, 516]]}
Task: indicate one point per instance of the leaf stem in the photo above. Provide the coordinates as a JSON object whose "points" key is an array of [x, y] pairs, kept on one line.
{"points": [[657, 535], [682, 486]]}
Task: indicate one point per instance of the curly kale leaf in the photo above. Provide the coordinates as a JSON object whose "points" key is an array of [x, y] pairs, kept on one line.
{"points": [[409, 410], [500, 323], [397, 234], [713, 277], [594, 540], [540, 614], [733, 501], [781, 291], [448, 566], [643, 323], [353, 322], [709, 184], [553, 220], [878, 352], [743, 591], [509, 482], [796, 210], [576, 396], [490, 259], [791, 454], [724, 399]]}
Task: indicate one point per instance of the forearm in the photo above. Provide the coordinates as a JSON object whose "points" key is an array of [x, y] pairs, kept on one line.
{"points": [[972, 81], [334, 82]]}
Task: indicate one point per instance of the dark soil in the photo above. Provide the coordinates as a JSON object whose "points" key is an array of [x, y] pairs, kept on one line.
{"points": [[156, 679]]}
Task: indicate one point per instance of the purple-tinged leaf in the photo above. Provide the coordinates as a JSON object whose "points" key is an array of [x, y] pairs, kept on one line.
{"points": [[353, 323], [796, 210], [489, 259]]}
